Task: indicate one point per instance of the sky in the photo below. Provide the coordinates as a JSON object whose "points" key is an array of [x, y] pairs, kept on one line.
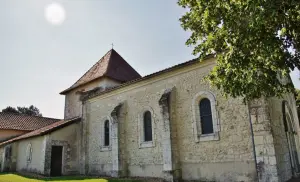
{"points": [[39, 58]]}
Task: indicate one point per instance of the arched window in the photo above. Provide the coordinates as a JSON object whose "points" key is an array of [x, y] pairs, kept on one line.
{"points": [[106, 133], [147, 126], [206, 116]]}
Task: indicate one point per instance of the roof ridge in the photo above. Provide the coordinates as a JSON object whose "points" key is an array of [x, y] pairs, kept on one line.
{"points": [[111, 65], [91, 68], [123, 60], [21, 114], [109, 61]]}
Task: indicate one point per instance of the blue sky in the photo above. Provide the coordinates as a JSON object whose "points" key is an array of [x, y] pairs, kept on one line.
{"points": [[38, 59]]}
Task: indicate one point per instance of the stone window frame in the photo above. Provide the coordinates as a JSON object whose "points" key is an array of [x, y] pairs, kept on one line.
{"points": [[104, 147], [196, 117], [29, 153], [142, 143]]}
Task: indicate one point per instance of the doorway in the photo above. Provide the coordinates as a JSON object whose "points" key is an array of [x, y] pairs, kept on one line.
{"points": [[56, 161]]}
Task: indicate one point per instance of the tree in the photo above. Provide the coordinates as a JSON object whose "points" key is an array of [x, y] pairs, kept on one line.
{"points": [[10, 110], [31, 110], [256, 43]]}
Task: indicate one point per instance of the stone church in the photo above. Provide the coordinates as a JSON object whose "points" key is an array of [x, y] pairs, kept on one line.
{"points": [[170, 124]]}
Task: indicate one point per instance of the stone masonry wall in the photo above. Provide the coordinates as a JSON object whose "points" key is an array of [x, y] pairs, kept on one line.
{"points": [[228, 159], [73, 106], [36, 165], [66, 137], [264, 141], [280, 139], [41, 151]]}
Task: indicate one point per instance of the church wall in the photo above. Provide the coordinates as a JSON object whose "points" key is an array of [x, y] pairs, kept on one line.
{"points": [[68, 138], [73, 104], [1, 157], [229, 158], [280, 138], [36, 165], [41, 151]]}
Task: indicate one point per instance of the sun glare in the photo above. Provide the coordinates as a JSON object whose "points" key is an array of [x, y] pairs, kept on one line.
{"points": [[55, 13]]}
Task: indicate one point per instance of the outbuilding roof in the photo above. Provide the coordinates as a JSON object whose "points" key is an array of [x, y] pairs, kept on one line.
{"points": [[23, 122], [42, 131]]}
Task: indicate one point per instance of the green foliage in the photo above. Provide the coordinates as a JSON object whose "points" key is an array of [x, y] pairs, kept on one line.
{"points": [[31, 110], [256, 43], [10, 110]]}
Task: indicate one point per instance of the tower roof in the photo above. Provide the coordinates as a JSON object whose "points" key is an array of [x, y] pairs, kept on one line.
{"points": [[111, 65]]}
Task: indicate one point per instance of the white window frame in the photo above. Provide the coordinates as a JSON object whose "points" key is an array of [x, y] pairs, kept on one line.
{"points": [[142, 142], [197, 120], [29, 153], [103, 147]]}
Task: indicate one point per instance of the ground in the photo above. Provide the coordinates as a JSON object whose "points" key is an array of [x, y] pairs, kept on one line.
{"points": [[294, 180], [26, 178]]}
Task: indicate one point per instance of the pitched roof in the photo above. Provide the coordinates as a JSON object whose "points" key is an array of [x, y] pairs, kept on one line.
{"points": [[111, 65], [24, 122], [94, 93], [45, 130]]}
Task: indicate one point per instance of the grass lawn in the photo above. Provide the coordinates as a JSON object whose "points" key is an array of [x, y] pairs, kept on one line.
{"points": [[19, 178]]}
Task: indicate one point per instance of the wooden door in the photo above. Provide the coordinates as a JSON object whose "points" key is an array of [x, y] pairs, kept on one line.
{"points": [[56, 160]]}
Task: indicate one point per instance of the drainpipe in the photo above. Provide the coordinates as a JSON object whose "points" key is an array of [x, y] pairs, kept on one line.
{"points": [[253, 144]]}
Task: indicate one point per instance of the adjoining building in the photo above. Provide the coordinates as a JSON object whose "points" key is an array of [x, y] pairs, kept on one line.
{"points": [[170, 124], [12, 125]]}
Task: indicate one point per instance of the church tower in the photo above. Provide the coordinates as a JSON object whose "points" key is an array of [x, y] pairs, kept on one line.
{"points": [[111, 70]]}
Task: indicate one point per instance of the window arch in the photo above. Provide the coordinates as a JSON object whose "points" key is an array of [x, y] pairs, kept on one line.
{"points": [[205, 116], [205, 122], [106, 133], [147, 126]]}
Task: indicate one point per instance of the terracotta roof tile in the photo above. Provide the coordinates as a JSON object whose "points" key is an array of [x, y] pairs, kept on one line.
{"points": [[111, 65], [24, 122], [42, 131]]}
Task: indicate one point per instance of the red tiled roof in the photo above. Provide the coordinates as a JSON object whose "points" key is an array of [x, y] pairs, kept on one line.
{"points": [[42, 131], [111, 65], [23, 122]]}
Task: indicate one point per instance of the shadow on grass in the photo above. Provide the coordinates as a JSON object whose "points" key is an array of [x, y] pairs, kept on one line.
{"points": [[69, 178]]}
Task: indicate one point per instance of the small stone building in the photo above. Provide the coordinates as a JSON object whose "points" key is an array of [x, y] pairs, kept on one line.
{"points": [[33, 152], [170, 124]]}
